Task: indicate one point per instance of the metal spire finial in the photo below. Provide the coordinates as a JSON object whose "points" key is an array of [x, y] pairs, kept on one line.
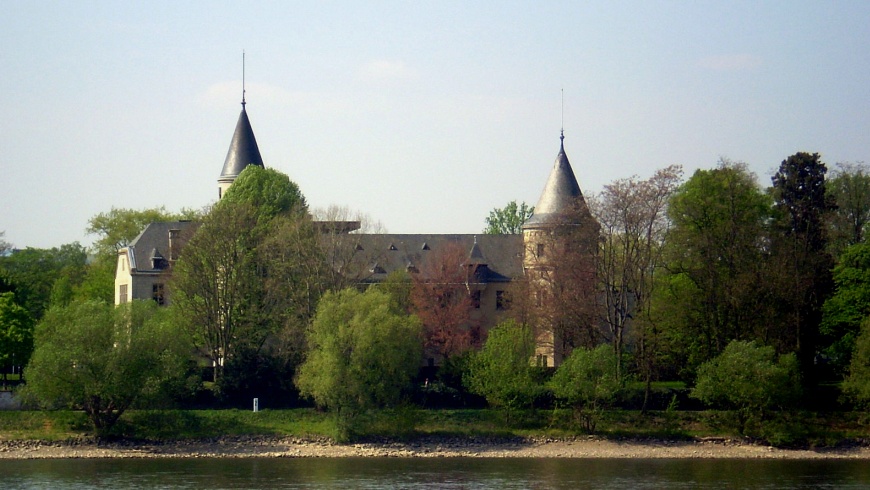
{"points": [[243, 79], [562, 134]]}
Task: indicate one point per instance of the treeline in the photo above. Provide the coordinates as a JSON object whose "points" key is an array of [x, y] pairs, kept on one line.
{"points": [[687, 268]]}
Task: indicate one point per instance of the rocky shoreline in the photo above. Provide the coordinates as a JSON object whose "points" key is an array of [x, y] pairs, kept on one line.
{"points": [[429, 447]]}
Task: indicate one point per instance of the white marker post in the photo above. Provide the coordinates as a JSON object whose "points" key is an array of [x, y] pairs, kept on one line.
{"points": [[256, 405]]}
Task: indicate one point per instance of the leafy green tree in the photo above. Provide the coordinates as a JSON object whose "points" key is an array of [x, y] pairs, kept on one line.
{"points": [[101, 359], [849, 188], [215, 283], [715, 291], [266, 190], [16, 333], [501, 371], [363, 354], [802, 206], [249, 270], [845, 311], [33, 272], [508, 220], [857, 384], [749, 379], [588, 382]]}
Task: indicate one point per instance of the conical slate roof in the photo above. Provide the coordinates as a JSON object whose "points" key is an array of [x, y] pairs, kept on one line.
{"points": [[243, 149], [561, 195], [475, 256]]}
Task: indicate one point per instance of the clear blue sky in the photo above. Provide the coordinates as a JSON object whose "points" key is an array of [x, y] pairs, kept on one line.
{"points": [[424, 115]]}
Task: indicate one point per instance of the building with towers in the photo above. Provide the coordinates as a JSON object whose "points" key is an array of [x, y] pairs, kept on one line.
{"points": [[546, 275]]}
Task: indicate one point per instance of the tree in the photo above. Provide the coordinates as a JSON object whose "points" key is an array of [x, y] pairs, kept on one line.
{"points": [[441, 298], [101, 359], [16, 334], [802, 206], [587, 381], [849, 188], [845, 311], [33, 272], [857, 384], [634, 224], [508, 220], [501, 371], [715, 290], [362, 354], [748, 378], [215, 281], [268, 191], [240, 278]]}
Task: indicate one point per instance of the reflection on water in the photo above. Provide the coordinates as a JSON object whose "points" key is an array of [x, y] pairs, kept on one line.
{"points": [[433, 473]]}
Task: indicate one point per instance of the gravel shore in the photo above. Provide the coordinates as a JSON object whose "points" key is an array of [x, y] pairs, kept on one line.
{"points": [[278, 447]]}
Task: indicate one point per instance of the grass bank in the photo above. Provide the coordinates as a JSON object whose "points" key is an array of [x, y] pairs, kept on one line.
{"points": [[788, 430]]}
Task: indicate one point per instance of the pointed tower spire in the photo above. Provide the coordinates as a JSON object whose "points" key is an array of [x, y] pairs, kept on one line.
{"points": [[562, 193], [243, 149]]}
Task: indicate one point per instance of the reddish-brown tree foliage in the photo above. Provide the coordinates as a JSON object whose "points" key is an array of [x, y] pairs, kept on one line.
{"points": [[442, 297]]}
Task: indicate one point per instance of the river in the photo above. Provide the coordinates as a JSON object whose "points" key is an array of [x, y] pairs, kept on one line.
{"points": [[376, 473]]}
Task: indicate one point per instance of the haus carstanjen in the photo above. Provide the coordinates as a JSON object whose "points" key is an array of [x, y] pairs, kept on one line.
{"points": [[551, 265]]}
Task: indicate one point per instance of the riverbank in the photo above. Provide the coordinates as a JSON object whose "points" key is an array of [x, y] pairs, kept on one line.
{"points": [[282, 447]]}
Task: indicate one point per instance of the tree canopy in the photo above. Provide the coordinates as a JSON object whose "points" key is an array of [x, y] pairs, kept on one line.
{"points": [[16, 333], [102, 359], [749, 378], [501, 371], [508, 220], [268, 191], [362, 353], [249, 271]]}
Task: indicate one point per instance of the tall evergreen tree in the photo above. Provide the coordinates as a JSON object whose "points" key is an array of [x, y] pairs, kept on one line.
{"points": [[801, 205]]}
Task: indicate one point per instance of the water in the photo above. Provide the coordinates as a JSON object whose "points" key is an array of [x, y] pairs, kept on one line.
{"points": [[497, 474]]}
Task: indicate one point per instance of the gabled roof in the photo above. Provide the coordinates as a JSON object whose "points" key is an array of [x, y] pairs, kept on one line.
{"points": [[243, 149], [561, 195]]}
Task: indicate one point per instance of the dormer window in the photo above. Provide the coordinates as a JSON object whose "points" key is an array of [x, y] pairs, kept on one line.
{"points": [[393, 247]]}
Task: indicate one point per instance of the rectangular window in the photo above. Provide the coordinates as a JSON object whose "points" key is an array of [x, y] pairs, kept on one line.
{"points": [[475, 299], [502, 301], [157, 294], [540, 250], [122, 294]]}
